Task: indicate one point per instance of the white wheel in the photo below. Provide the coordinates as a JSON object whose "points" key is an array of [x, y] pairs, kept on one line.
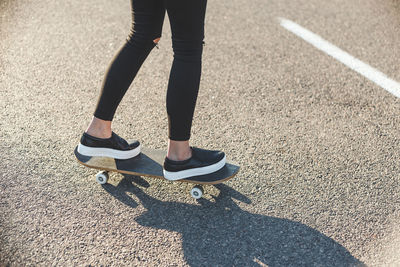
{"points": [[102, 177], [196, 192]]}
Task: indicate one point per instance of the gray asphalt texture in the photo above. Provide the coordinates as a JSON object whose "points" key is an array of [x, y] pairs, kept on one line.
{"points": [[317, 142]]}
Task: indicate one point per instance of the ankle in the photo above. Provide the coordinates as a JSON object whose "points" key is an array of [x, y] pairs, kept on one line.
{"points": [[99, 128], [179, 150]]}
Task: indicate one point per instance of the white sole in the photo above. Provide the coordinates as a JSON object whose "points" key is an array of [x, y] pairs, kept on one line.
{"points": [[107, 152], [174, 176]]}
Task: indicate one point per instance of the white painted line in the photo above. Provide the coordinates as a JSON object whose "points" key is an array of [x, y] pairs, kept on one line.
{"points": [[355, 64]]}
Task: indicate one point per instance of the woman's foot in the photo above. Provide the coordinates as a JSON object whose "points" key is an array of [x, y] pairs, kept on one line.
{"points": [[201, 162], [113, 147], [99, 140]]}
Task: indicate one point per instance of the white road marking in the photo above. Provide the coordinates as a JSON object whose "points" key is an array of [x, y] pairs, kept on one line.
{"points": [[355, 64]]}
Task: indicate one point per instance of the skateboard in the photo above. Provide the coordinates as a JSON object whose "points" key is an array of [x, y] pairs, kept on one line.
{"points": [[149, 163]]}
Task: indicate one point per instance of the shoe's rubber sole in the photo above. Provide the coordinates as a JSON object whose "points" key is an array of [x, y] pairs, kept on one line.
{"points": [[174, 176], [108, 152]]}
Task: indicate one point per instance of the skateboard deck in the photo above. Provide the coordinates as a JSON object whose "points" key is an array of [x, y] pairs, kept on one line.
{"points": [[149, 163]]}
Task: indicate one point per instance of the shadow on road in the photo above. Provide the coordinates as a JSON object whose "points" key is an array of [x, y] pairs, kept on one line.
{"points": [[220, 233]]}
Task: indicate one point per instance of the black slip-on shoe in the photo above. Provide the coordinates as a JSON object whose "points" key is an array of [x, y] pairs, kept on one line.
{"points": [[113, 147], [202, 162]]}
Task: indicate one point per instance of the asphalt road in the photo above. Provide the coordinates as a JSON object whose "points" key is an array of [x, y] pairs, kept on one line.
{"points": [[318, 143]]}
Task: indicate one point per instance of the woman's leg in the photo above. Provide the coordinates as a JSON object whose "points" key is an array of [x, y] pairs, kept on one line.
{"points": [[147, 21], [99, 140], [187, 26]]}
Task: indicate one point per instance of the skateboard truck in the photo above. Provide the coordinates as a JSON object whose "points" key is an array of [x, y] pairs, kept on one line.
{"points": [[196, 192]]}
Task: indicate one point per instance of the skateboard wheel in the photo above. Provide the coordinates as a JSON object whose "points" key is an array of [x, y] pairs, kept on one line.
{"points": [[197, 192], [102, 177]]}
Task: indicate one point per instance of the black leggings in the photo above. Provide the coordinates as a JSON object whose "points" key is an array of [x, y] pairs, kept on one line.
{"points": [[187, 27]]}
